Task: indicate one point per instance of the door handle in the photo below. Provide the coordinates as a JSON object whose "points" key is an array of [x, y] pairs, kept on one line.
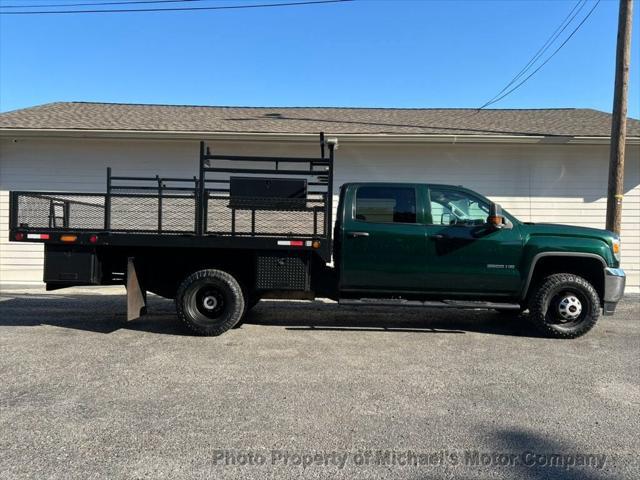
{"points": [[438, 236], [357, 234]]}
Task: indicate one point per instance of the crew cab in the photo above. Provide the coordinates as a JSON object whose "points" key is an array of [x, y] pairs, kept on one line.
{"points": [[248, 228]]}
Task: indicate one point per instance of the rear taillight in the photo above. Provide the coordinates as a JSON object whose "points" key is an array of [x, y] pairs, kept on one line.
{"points": [[38, 236], [93, 239], [292, 243], [19, 236]]}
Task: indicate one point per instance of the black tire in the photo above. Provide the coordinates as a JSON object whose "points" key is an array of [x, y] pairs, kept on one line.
{"points": [[249, 303], [210, 302], [554, 310]]}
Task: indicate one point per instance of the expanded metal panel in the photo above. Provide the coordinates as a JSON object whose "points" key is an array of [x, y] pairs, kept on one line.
{"points": [[178, 214], [134, 213], [271, 217], [281, 272], [43, 211], [128, 212]]}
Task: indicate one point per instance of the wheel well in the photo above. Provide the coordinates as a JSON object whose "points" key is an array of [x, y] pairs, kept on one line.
{"points": [[165, 269], [591, 269]]}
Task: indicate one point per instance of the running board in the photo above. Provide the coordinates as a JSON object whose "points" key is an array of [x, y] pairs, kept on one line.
{"points": [[390, 302]]}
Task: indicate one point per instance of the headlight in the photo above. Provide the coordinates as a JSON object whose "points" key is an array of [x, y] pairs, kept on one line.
{"points": [[616, 248]]}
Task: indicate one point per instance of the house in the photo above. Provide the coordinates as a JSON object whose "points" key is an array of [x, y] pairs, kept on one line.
{"points": [[546, 165]]}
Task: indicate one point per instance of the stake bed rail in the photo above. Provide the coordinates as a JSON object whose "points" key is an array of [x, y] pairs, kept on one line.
{"points": [[236, 201]]}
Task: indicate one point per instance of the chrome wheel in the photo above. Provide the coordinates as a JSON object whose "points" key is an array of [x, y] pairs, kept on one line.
{"points": [[564, 305], [569, 308]]}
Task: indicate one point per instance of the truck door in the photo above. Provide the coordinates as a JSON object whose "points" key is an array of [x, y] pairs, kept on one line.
{"points": [[463, 254], [383, 243]]}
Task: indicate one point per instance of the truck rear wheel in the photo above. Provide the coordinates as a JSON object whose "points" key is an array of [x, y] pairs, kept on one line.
{"points": [[210, 302], [565, 306]]}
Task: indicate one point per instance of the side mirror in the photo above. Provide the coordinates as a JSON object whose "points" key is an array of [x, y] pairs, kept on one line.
{"points": [[496, 220]]}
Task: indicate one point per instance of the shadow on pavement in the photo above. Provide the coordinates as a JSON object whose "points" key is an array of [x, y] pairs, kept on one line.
{"points": [[89, 312], [332, 317], [106, 314], [545, 458]]}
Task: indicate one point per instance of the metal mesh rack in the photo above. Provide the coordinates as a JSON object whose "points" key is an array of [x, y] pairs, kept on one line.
{"points": [[203, 205], [44, 210]]}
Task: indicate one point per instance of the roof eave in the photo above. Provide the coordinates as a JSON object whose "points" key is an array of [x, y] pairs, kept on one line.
{"points": [[304, 137]]}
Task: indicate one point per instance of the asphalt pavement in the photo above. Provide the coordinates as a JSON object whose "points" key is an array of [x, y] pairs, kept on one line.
{"points": [[311, 390]]}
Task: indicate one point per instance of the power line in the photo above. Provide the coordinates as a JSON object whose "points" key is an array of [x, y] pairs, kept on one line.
{"points": [[547, 44], [545, 62], [176, 9], [133, 2]]}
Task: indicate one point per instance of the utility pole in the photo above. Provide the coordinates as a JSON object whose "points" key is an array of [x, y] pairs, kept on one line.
{"points": [[619, 120]]}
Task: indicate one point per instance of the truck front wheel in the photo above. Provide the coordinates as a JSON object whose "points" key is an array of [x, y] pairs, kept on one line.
{"points": [[564, 306], [210, 302]]}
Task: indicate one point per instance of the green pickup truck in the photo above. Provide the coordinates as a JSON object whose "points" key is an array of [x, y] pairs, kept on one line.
{"points": [[446, 242], [249, 228]]}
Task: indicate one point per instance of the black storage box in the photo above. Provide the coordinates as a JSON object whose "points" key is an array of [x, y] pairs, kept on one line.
{"points": [[267, 193], [66, 264], [282, 272]]}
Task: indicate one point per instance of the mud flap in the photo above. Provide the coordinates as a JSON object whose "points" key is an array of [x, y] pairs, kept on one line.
{"points": [[136, 295]]}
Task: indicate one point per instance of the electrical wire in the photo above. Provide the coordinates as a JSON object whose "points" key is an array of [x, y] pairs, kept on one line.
{"points": [[176, 9], [547, 44], [545, 62], [133, 2]]}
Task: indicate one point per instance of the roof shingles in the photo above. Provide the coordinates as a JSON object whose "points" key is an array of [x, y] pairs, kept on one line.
{"points": [[372, 121]]}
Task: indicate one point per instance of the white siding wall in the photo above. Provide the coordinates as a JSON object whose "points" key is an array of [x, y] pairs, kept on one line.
{"points": [[552, 183]]}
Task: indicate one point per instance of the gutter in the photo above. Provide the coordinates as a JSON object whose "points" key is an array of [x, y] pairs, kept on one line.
{"points": [[304, 137]]}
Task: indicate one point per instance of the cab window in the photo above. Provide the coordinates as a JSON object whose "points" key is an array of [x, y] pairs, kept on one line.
{"points": [[451, 207], [386, 204]]}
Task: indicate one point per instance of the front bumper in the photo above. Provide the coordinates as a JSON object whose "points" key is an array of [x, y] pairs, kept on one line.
{"points": [[614, 281]]}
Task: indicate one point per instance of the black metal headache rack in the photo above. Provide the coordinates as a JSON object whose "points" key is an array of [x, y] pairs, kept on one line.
{"points": [[240, 196]]}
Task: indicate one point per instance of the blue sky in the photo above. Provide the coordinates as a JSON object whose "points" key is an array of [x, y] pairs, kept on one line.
{"points": [[360, 54]]}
